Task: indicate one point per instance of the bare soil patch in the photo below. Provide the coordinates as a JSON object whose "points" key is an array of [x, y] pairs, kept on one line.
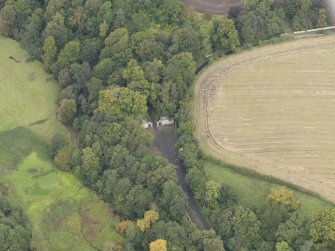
{"points": [[215, 7], [272, 110]]}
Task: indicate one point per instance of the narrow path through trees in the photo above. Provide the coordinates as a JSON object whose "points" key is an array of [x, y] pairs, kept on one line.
{"points": [[165, 139]]}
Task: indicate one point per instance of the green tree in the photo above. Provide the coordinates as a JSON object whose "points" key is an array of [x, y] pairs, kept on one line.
{"points": [[322, 228], [91, 47], [187, 39], [103, 29], [196, 178], [58, 141], [153, 71], [283, 246], [271, 216], [14, 231], [211, 242], [94, 86], [7, 20], [63, 158], [117, 47], [174, 200], [120, 102], [31, 37], [50, 52], [177, 77], [247, 26], [224, 35], [69, 54], [322, 18], [67, 110], [212, 192], [246, 230], [103, 70], [91, 165], [134, 77], [292, 231], [57, 29]]}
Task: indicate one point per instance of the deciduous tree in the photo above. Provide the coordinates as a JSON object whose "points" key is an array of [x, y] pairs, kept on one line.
{"points": [[322, 228], [158, 245], [284, 197], [63, 158]]}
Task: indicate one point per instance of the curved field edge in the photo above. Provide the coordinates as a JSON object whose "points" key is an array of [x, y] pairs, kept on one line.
{"points": [[63, 214], [230, 160]]}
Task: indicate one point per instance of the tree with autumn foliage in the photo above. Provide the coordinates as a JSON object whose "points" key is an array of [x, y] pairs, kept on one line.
{"points": [[284, 197], [123, 226], [150, 217], [158, 245]]}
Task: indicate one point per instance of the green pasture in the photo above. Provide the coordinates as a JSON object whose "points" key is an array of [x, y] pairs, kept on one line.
{"points": [[63, 214], [253, 191]]}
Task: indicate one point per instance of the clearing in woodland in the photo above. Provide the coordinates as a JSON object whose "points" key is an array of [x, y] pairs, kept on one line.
{"points": [[63, 214], [271, 110], [214, 7]]}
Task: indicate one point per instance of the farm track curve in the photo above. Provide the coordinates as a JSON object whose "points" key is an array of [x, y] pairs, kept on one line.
{"points": [[209, 82]]}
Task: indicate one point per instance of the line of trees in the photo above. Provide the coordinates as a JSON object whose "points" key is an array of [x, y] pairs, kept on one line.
{"points": [[113, 61], [278, 225]]}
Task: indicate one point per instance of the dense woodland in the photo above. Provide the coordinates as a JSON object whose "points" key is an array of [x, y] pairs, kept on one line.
{"points": [[115, 60], [14, 229]]}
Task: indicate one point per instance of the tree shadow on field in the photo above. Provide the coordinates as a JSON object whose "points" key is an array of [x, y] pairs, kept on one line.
{"points": [[39, 122], [16, 144]]}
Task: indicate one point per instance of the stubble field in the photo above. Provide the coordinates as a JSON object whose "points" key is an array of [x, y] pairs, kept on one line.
{"points": [[272, 110]]}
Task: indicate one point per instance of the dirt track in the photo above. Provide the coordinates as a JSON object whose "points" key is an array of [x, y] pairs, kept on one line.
{"points": [[272, 110], [165, 140], [215, 7]]}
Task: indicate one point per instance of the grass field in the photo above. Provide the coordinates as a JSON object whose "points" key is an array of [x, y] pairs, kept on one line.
{"points": [[253, 192], [271, 109], [63, 214]]}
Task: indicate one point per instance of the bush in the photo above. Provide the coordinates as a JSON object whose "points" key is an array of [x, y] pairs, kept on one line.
{"points": [[58, 141], [63, 158]]}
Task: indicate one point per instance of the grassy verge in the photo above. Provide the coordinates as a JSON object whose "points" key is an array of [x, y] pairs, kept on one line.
{"points": [[253, 191], [63, 214]]}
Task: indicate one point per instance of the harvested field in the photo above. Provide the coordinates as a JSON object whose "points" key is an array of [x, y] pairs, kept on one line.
{"points": [[215, 7], [272, 110]]}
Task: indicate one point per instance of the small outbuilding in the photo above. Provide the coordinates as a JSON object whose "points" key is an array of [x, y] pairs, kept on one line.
{"points": [[164, 121], [146, 124]]}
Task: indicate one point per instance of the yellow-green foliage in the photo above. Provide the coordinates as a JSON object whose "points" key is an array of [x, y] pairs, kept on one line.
{"points": [[284, 197], [212, 190], [150, 217], [158, 245]]}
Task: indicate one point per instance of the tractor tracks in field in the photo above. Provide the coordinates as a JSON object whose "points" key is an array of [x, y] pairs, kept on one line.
{"points": [[208, 86], [205, 86]]}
